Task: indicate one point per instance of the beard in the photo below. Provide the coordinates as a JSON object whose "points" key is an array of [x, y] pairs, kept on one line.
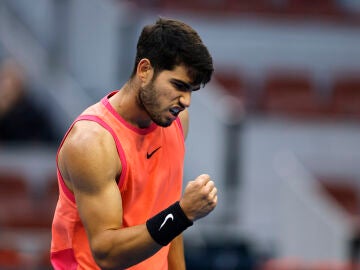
{"points": [[148, 100]]}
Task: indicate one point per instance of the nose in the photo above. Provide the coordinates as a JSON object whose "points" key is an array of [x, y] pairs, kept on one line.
{"points": [[185, 99]]}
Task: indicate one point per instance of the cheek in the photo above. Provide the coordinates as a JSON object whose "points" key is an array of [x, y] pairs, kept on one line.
{"points": [[164, 93]]}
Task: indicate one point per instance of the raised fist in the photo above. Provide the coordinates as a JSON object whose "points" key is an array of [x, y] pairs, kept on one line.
{"points": [[200, 197]]}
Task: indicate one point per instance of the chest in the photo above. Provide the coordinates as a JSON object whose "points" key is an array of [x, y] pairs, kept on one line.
{"points": [[154, 171]]}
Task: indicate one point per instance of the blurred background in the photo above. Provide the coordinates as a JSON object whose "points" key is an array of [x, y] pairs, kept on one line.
{"points": [[278, 127]]}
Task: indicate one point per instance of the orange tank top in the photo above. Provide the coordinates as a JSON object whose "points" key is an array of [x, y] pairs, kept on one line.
{"points": [[150, 181]]}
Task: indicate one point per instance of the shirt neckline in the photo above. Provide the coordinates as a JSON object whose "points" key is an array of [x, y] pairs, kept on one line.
{"points": [[141, 131]]}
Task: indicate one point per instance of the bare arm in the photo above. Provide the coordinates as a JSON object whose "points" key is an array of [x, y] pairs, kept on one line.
{"points": [[176, 257], [184, 118], [90, 165]]}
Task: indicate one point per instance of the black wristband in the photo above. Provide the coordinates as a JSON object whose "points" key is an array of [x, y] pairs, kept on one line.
{"points": [[168, 224]]}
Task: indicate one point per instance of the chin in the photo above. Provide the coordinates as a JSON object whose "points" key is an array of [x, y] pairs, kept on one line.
{"points": [[163, 120], [164, 123]]}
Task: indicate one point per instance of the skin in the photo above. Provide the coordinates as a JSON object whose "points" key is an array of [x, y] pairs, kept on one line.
{"points": [[89, 164]]}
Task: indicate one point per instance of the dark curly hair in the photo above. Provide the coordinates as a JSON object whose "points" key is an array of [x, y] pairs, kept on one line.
{"points": [[169, 43]]}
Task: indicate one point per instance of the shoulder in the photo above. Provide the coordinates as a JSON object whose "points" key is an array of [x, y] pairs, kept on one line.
{"points": [[88, 152], [88, 135], [184, 119]]}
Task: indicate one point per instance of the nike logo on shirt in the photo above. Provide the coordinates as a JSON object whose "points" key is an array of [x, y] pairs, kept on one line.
{"points": [[169, 216], [148, 156]]}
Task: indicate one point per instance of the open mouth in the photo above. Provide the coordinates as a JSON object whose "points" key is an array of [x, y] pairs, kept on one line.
{"points": [[175, 111]]}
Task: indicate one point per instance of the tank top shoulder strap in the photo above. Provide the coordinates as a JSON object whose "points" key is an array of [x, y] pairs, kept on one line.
{"points": [[119, 148]]}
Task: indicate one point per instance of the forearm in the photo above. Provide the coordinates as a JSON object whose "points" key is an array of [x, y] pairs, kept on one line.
{"points": [[122, 248], [176, 258]]}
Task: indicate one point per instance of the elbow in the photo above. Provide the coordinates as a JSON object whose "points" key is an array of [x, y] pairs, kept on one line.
{"points": [[101, 258], [107, 264], [105, 261], [110, 255], [101, 255], [104, 265]]}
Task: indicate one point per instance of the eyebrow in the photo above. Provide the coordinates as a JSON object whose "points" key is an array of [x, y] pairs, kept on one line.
{"points": [[187, 86]]}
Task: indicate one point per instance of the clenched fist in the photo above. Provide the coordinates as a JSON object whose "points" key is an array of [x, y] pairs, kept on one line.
{"points": [[200, 197]]}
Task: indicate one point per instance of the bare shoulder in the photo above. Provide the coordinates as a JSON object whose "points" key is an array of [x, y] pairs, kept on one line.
{"points": [[88, 154], [184, 118]]}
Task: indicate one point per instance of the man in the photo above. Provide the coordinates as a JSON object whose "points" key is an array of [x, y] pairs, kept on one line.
{"points": [[120, 164]]}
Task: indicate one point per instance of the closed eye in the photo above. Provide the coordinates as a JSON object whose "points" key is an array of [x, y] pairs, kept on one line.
{"points": [[182, 86]]}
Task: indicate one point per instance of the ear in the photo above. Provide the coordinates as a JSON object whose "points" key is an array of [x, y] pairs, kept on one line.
{"points": [[145, 70]]}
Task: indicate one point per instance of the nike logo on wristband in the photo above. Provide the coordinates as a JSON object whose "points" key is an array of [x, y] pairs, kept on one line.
{"points": [[169, 216]]}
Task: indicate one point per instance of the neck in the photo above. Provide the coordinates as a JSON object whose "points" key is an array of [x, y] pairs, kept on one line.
{"points": [[125, 102]]}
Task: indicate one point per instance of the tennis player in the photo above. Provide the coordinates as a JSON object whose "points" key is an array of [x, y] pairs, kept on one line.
{"points": [[120, 165]]}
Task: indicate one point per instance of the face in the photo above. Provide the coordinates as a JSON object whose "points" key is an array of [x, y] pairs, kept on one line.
{"points": [[166, 96]]}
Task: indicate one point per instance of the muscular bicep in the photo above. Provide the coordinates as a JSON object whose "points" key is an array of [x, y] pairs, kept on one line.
{"points": [[91, 163]]}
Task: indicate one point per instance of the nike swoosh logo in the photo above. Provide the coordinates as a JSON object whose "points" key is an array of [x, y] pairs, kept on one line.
{"points": [[169, 216], [153, 152]]}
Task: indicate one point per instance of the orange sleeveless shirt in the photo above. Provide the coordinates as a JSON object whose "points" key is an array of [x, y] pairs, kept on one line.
{"points": [[150, 181]]}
